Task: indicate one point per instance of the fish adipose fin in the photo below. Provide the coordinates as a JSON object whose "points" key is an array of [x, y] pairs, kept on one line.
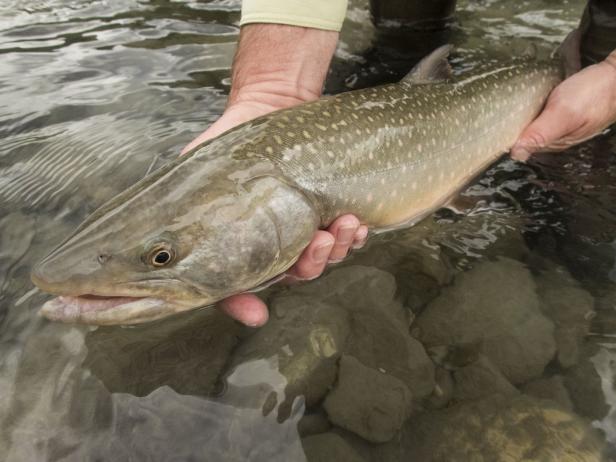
{"points": [[433, 68]]}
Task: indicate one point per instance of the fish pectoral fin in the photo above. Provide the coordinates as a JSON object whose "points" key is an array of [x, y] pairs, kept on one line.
{"points": [[433, 68]]}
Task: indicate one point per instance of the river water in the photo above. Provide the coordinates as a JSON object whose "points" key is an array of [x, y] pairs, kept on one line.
{"points": [[486, 332]]}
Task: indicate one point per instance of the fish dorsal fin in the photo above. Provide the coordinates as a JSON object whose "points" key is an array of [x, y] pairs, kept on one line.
{"points": [[432, 68]]}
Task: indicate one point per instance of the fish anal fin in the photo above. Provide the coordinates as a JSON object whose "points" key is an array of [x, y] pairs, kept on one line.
{"points": [[433, 68]]}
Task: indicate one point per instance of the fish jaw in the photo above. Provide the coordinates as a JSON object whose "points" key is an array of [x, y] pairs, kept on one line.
{"points": [[100, 304], [100, 310]]}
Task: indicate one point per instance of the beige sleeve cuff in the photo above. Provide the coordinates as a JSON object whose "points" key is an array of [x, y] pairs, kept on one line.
{"points": [[318, 14]]}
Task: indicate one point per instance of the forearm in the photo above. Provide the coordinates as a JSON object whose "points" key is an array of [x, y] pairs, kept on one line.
{"points": [[280, 65]]}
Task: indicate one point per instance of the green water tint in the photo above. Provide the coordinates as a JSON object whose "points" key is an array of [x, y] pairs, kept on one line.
{"points": [[486, 332]]}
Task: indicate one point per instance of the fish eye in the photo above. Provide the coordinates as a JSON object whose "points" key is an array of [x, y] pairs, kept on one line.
{"points": [[161, 255]]}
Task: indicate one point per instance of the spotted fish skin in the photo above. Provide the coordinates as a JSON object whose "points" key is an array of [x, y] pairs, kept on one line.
{"points": [[238, 210], [393, 153]]}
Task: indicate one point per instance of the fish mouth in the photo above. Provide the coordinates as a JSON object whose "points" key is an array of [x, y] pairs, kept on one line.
{"points": [[106, 310]]}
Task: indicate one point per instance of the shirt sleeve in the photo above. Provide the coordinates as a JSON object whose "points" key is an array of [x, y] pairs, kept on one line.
{"points": [[318, 14]]}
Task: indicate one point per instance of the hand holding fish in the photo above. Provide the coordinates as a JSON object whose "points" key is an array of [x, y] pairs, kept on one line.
{"points": [[263, 86], [276, 66], [577, 109]]}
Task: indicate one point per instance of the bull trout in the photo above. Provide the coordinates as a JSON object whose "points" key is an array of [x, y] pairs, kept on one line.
{"points": [[238, 210]]}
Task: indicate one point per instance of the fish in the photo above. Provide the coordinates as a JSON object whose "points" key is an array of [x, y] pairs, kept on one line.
{"points": [[237, 211]]}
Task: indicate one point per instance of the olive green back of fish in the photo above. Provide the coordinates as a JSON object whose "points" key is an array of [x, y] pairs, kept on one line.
{"points": [[393, 153]]}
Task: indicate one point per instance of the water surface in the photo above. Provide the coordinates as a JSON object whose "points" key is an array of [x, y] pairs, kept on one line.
{"points": [[486, 331]]}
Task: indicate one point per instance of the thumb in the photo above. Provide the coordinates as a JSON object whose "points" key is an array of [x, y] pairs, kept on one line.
{"points": [[544, 131]]}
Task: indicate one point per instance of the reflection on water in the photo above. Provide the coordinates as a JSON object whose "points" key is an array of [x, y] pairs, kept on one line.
{"points": [[486, 332]]}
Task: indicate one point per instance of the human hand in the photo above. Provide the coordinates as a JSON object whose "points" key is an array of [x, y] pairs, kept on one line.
{"points": [[576, 110], [236, 114], [329, 245]]}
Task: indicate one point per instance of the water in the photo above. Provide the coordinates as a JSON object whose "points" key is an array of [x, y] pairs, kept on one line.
{"points": [[510, 299]]}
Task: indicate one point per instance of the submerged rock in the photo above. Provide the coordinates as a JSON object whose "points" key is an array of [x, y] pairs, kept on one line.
{"points": [[550, 388], [495, 306], [187, 353], [480, 379], [367, 402], [351, 287], [306, 337], [605, 320], [382, 342], [314, 423], [329, 447], [351, 310], [583, 383], [501, 429], [421, 274], [570, 308], [443, 389], [168, 426]]}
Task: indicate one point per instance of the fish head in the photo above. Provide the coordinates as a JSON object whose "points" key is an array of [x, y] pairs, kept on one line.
{"points": [[149, 255]]}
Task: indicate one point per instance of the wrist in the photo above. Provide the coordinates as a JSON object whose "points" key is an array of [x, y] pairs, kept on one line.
{"points": [[280, 65], [272, 92]]}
